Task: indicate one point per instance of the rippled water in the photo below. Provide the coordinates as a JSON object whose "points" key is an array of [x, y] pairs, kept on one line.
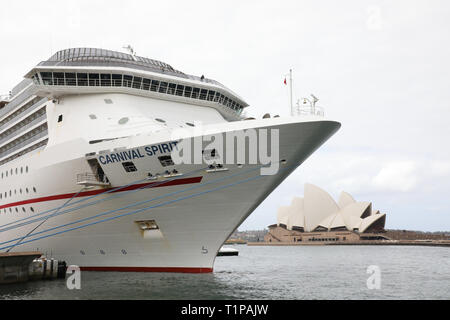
{"points": [[322, 272]]}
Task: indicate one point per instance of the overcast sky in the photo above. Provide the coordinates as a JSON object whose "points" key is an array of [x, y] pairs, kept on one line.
{"points": [[381, 68]]}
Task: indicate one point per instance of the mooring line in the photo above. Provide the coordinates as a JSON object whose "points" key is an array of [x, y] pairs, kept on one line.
{"points": [[140, 202], [144, 209], [155, 184]]}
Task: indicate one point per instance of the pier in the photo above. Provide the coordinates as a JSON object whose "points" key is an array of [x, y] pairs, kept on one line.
{"points": [[14, 266], [24, 266]]}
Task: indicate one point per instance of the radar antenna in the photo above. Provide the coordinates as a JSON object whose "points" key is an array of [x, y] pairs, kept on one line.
{"points": [[130, 50]]}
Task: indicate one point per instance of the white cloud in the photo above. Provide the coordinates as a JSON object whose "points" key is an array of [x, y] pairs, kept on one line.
{"points": [[397, 176]]}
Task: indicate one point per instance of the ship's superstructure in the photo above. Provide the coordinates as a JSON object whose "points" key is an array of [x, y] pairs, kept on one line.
{"points": [[87, 173]]}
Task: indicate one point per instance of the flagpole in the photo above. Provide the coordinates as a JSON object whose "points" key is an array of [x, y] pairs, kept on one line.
{"points": [[290, 85]]}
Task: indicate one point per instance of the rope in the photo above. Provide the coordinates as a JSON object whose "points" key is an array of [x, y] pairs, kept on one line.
{"points": [[90, 203], [141, 202], [29, 233], [144, 209]]}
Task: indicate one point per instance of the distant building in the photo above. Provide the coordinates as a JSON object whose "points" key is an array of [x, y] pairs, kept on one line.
{"points": [[317, 217]]}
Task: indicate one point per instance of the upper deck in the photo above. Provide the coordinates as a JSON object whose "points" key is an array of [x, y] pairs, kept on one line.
{"points": [[88, 70]]}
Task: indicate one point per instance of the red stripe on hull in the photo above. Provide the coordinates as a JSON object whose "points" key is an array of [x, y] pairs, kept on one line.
{"points": [[95, 192], [149, 269]]}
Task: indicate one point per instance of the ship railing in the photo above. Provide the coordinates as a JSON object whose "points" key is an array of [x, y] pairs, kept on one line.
{"points": [[311, 111], [23, 128], [24, 143], [91, 179]]}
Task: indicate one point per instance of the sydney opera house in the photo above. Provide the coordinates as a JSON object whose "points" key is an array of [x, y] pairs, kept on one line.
{"points": [[318, 217]]}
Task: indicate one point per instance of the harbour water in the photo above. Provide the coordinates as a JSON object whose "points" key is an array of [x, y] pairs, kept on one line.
{"points": [[301, 272]]}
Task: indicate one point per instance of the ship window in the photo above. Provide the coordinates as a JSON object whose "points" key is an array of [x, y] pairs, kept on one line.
{"points": [[203, 94], [187, 92], [180, 90], [163, 87], [211, 95], [60, 118], [47, 78], [166, 161], [123, 120], [106, 80], [82, 79], [137, 82], [155, 85], [172, 87], [127, 81], [31, 208], [93, 116], [71, 79], [58, 78], [195, 93], [129, 166], [160, 120], [117, 80], [146, 84], [190, 124], [94, 79]]}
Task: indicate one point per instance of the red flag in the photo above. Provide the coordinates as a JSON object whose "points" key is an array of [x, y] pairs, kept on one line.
{"points": [[285, 82]]}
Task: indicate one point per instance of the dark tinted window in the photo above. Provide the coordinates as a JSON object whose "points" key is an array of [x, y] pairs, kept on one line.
{"points": [[127, 80], [117, 80], [129, 166], [106, 80], [82, 79]]}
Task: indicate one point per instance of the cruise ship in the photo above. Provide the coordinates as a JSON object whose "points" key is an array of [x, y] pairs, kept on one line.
{"points": [[87, 169]]}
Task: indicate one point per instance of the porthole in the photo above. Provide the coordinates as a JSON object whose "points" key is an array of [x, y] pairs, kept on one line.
{"points": [[92, 116], [123, 120], [124, 251], [160, 120], [26, 190], [23, 209], [20, 190], [26, 169], [82, 252], [34, 189], [190, 124], [21, 169], [31, 208], [102, 252]]}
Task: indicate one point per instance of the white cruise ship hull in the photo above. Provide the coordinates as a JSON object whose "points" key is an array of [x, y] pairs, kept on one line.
{"points": [[195, 211]]}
